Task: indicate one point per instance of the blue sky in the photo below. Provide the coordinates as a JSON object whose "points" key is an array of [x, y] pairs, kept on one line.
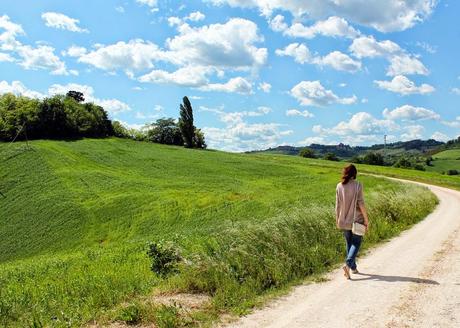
{"points": [[259, 73]]}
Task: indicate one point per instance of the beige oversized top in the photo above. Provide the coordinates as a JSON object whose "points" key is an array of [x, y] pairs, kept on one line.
{"points": [[345, 198]]}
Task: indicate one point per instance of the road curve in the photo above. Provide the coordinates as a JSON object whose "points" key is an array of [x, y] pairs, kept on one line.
{"points": [[411, 281]]}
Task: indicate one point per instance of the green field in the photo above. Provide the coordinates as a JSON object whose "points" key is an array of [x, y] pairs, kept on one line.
{"points": [[76, 217], [445, 161]]}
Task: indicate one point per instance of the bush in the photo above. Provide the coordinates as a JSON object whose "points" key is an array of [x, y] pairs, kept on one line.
{"points": [[403, 162], [165, 257], [331, 157], [307, 153], [452, 172], [373, 159]]}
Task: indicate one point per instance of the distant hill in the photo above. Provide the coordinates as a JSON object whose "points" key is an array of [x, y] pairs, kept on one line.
{"points": [[414, 147]]}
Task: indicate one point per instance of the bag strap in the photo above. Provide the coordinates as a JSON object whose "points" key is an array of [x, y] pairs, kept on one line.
{"points": [[356, 201]]}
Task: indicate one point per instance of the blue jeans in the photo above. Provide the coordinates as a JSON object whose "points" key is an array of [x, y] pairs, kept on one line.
{"points": [[353, 244]]}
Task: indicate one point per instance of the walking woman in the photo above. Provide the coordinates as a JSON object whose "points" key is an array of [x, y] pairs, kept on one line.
{"points": [[350, 208]]}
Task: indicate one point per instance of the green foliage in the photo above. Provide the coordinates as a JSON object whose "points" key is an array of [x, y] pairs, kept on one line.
{"points": [[452, 172], [373, 159], [403, 162], [186, 123], [165, 131], [76, 95], [165, 257], [307, 153], [198, 139], [331, 157], [58, 117], [131, 314]]}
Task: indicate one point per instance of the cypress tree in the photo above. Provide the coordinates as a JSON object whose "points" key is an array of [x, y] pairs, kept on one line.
{"points": [[186, 123]]}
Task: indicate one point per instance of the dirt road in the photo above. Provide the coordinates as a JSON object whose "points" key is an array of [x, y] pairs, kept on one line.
{"points": [[411, 281]]}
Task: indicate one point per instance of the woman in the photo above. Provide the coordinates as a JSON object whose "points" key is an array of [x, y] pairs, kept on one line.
{"points": [[349, 205]]}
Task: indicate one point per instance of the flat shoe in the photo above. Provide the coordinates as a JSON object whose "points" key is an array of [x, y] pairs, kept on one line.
{"points": [[355, 271], [346, 271]]}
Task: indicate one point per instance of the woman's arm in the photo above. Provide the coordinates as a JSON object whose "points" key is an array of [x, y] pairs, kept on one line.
{"points": [[337, 207], [362, 207]]}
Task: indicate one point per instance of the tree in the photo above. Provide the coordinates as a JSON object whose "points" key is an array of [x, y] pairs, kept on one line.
{"points": [[165, 131], [331, 157], [78, 96], [307, 153], [373, 159], [186, 123], [198, 140]]}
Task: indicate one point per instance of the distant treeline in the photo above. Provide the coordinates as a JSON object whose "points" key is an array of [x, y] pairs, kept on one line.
{"points": [[57, 117], [69, 117]]}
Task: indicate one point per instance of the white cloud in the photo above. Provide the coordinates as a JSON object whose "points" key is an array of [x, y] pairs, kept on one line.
{"points": [[439, 136], [401, 63], [296, 112], [135, 55], [42, 57], [173, 21], [361, 128], [228, 45], [196, 16], [412, 132], [298, 51], [235, 85], [191, 76], [336, 59], [410, 113], [19, 89], [113, 106], [402, 85], [453, 123], [120, 9], [384, 16], [239, 135], [331, 27], [150, 3], [406, 64], [74, 51], [427, 47], [265, 87], [312, 140], [339, 61], [455, 90], [6, 58], [312, 93], [63, 22], [8, 36]]}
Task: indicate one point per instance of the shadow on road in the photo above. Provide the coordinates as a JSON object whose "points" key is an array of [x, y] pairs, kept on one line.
{"points": [[378, 277]]}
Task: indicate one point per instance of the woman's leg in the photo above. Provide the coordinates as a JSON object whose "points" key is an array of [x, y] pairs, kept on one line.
{"points": [[348, 235], [353, 250]]}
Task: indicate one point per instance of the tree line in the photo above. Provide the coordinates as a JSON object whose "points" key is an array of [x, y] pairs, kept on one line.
{"points": [[69, 117]]}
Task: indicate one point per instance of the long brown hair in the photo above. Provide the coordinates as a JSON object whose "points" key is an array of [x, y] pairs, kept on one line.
{"points": [[348, 173]]}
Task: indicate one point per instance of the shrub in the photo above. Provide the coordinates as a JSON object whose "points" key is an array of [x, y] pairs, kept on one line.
{"points": [[331, 157], [307, 153], [373, 159], [165, 257], [452, 172]]}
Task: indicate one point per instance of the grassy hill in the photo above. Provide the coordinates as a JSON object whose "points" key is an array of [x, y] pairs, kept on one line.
{"points": [[445, 160], [76, 217]]}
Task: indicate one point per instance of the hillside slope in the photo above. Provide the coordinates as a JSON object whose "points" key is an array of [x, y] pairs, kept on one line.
{"points": [[77, 215]]}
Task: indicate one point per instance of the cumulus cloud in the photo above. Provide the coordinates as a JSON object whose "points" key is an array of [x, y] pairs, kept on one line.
{"points": [[384, 16], [19, 89], [149, 3], [235, 85], [296, 112], [336, 59], [42, 57], [331, 27], [8, 35], [238, 135], [410, 113], [312, 93], [63, 22], [401, 63], [233, 45], [196, 16], [265, 87], [134, 55], [439, 136], [453, 123], [455, 90], [298, 51], [6, 57], [402, 85], [74, 51], [191, 76], [412, 132]]}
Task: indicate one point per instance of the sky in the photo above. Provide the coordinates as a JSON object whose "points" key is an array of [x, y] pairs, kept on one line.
{"points": [[259, 73]]}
